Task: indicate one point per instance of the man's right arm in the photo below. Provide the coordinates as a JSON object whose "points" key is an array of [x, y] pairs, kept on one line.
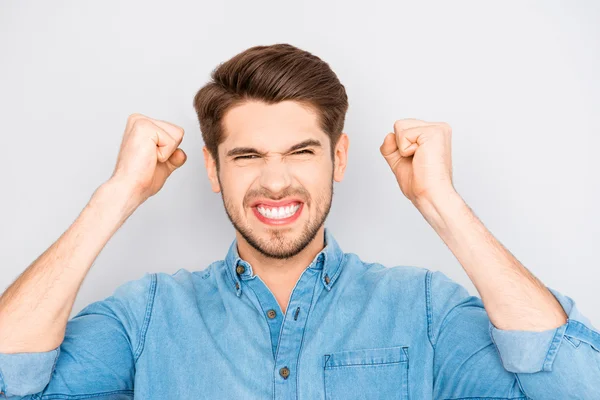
{"points": [[97, 357], [34, 310]]}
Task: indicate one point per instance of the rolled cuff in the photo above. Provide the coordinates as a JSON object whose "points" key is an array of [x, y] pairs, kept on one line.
{"points": [[530, 352], [22, 374]]}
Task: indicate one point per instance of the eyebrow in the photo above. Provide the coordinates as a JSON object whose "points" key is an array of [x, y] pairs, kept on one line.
{"points": [[237, 151]]}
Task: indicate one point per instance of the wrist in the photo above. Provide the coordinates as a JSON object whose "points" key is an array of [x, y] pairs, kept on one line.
{"points": [[436, 207], [118, 197]]}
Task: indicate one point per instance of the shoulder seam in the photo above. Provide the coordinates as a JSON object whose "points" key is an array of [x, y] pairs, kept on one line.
{"points": [[148, 314], [428, 277]]}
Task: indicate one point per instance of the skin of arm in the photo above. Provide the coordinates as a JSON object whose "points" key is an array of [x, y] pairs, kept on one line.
{"points": [[420, 156], [513, 297], [34, 310]]}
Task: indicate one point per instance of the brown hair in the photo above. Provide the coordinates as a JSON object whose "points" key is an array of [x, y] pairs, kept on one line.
{"points": [[271, 74]]}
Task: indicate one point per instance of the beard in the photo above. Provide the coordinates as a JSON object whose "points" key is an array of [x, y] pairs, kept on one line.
{"points": [[278, 245]]}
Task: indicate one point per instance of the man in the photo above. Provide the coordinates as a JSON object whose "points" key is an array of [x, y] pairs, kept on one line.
{"points": [[287, 314]]}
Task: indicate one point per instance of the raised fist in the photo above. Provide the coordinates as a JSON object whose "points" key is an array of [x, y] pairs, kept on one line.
{"points": [[148, 155]]}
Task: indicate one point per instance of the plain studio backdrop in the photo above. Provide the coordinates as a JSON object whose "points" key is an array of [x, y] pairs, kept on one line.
{"points": [[518, 81]]}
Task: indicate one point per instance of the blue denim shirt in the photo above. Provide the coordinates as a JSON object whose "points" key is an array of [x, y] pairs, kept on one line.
{"points": [[352, 330]]}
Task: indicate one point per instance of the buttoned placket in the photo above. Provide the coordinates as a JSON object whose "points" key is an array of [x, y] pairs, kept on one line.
{"points": [[286, 330]]}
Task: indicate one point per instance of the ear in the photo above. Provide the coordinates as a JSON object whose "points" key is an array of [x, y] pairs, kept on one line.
{"points": [[341, 157], [211, 170]]}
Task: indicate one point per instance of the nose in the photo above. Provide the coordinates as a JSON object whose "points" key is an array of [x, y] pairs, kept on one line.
{"points": [[275, 176]]}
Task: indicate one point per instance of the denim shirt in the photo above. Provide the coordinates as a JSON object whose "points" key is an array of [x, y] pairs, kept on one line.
{"points": [[352, 330]]}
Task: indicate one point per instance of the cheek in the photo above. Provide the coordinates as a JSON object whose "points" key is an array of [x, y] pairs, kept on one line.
{"points": [[316, 179], [317, 169], [235, 184]]}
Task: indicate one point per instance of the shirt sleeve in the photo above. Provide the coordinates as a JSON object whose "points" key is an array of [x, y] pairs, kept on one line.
{"points": [[97, 356], [472, 358]]}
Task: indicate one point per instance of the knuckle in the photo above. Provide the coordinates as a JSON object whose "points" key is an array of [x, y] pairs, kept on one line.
{"points": [[446, 126], [134, 116], [398, 125], [141, 124], [407, 123], [178, 136]]}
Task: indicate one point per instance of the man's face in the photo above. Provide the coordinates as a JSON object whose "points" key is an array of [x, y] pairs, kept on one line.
{"points": [[275, 175]]}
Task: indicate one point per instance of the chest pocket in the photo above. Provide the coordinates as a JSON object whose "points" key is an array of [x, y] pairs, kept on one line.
{"points": [[380, 373]]}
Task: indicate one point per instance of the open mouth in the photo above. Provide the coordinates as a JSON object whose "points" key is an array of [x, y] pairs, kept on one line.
{"points": [[278, 215]]}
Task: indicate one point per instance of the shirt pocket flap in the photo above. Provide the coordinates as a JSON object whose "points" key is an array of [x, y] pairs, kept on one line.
{"points": [[381, 355]]}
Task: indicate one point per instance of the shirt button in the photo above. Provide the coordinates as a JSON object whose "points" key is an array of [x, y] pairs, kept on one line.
{"points": [[271, 314], [240, 269], [284, 372]]}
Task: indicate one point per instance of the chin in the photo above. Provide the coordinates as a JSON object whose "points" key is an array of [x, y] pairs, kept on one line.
{"points": [[281, 240], [278, 242]]}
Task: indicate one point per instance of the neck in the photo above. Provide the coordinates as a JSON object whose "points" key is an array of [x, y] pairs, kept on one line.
{"points": [[280, 275]]}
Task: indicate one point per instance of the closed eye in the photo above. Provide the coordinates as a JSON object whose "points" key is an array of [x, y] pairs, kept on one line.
{"points": [[305, 151], [246, 157], [254, 156]]}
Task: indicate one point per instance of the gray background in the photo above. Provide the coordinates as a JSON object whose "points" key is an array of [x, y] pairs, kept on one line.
{"points": [[519, 82]]}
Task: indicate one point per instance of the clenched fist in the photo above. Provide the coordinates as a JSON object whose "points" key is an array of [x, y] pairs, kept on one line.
{"points": [[420, 156], [149, 153]]}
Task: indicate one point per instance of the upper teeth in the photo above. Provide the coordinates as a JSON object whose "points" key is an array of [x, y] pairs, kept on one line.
{"points": [[278, 212]]}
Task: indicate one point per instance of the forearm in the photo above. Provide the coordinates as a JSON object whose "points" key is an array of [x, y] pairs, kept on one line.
{"points": [[34, 310], [514, 299]]}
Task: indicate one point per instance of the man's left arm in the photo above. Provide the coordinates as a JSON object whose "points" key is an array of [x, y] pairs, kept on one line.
{"points": [[538, 333]]}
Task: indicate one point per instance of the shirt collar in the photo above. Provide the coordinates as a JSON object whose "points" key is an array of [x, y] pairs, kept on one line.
{"points": [[329, 260]]}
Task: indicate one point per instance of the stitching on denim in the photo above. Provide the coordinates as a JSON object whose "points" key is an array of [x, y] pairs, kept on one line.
{"points": [[54, 364], [57, 396], [290, 298], [572, 339], [428, 277], [2, 380], [338, 271], [304, 329], [345, 354], [325, 359], [406, 375], [228, 272], [490, 330], [268, 324], [488, 398], [146, 323], [339, 267], [583, 333], [369, 364], [553, 349]]}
